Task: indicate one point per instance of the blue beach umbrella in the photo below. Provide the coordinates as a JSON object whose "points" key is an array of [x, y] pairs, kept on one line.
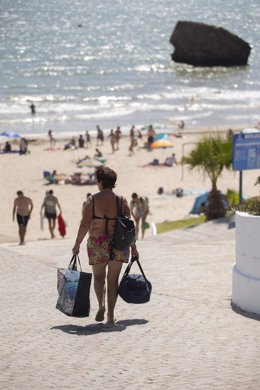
{"points": [[10, 134], [161, 136], [204, 198]]}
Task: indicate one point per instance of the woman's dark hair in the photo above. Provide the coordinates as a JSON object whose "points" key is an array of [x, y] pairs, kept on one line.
{"points": [[106, 176]]}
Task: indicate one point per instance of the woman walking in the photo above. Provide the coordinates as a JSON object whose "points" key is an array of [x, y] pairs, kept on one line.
{"points": [[99, 218]]}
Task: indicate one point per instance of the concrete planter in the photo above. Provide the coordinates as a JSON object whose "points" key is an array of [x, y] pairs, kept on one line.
{"points": [[246, 270]]}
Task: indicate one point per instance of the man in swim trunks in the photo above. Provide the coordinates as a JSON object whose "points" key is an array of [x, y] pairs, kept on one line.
{"points": [[99, 219], [49, 205], [22, 208]]}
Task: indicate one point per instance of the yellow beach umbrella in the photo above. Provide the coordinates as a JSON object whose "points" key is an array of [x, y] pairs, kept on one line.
{"points": [[162, 144]]}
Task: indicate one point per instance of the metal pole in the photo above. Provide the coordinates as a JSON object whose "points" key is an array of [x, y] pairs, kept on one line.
{"points": [[240, 187], [182, 165]]}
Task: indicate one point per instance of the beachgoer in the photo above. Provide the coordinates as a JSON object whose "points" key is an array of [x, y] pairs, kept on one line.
{"points": [[98, 153], [7, 147], [230, 135], [150, 137], [118, 133], [112, 137], [181, 125], [49, 205], [100, 136], [83, 159], [203, 208], [98, 220], [85, 202], [81, 141], [23, 207], [170, 161], [139, 134], [52, 139], [33, 110], [23, 146], [88, 139], [133, 141], [160, 191], [139, 207]]}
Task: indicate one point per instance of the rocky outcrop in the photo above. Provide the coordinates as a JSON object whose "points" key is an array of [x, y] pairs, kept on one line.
{"points": [[200, 44]]}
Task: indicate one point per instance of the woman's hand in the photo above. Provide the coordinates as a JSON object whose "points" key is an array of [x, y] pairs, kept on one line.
{"points": [[75, 249], [134, 252]]}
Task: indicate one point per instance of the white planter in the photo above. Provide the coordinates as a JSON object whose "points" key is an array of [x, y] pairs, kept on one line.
{"points": [[246, 270]]}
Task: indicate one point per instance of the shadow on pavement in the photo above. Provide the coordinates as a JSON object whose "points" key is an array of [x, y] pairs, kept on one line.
{"points": [[92, 329], [243, 313]]}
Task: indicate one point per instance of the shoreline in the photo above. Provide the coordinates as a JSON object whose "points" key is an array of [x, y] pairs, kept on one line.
{"points": [[64, 136]]}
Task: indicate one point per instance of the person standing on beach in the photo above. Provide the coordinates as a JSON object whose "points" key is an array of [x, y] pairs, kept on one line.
{"points": [[112, 137], [139, 207], [100, 136], [118, 134], [133, 141], [49, 205], [23, 207], [88, 139], [150, 137], [52, 139], [99, 219]]}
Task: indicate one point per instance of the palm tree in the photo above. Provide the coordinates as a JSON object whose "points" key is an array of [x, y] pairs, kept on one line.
{"points": [[211, 155]]}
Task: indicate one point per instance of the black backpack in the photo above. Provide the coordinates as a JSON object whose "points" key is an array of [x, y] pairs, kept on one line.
{"points": [[124, 233]]}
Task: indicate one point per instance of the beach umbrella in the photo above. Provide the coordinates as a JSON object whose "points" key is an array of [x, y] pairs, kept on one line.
{"points": [[199, 200], [161, 136], [162, 144], [10, 134], [90, 163], [203, 198]]}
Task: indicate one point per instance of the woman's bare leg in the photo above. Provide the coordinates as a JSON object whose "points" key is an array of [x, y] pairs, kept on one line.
{"points": [[114, 268], [99, 271]]}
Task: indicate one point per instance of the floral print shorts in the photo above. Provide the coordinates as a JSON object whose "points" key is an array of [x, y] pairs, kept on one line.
{"points": [[98, 249]]}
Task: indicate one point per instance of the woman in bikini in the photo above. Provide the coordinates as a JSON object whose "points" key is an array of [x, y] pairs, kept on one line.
{"points": [[99, 217]]}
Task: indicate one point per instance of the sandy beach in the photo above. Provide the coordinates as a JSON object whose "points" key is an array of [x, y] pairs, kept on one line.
{"points": [[25, 172]]}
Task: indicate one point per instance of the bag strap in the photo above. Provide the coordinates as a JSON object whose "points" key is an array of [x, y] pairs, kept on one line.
{"points": [[119, 209], [119, 213], [93, 210], [133, 259], [73, 263]]}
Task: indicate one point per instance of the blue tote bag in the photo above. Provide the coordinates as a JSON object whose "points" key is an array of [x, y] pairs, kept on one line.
{"points": [[73, 289]]}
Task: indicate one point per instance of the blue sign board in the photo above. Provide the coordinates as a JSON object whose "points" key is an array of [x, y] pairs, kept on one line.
{"points": [[246, 151]]}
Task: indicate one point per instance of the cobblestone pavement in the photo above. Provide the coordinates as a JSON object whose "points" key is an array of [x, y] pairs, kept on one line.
{"points": [[186, 337]]}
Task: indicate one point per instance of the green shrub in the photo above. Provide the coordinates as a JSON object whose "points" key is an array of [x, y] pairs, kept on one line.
{"points": [[250, 206], [232, 197]]}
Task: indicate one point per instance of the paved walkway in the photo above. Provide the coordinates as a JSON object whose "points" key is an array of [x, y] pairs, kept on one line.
{"points": [[187, 337]]}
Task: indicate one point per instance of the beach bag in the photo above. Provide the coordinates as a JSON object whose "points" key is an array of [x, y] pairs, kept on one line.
{"points": [[124, 233], [134, 288], [73, 289]]}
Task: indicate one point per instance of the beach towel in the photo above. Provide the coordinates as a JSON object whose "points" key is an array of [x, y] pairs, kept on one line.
{"points": [[74, 290], [134, 288], [61, 225]]}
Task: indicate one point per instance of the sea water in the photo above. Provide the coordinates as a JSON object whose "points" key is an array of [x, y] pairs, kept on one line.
{"points": [[86, 62]]}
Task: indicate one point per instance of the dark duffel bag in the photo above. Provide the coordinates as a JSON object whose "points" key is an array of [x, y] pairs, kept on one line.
{"points": [[134, 288]]}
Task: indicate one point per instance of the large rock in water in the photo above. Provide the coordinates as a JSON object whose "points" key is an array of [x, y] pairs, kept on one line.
{"points": [[200, 44]]}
